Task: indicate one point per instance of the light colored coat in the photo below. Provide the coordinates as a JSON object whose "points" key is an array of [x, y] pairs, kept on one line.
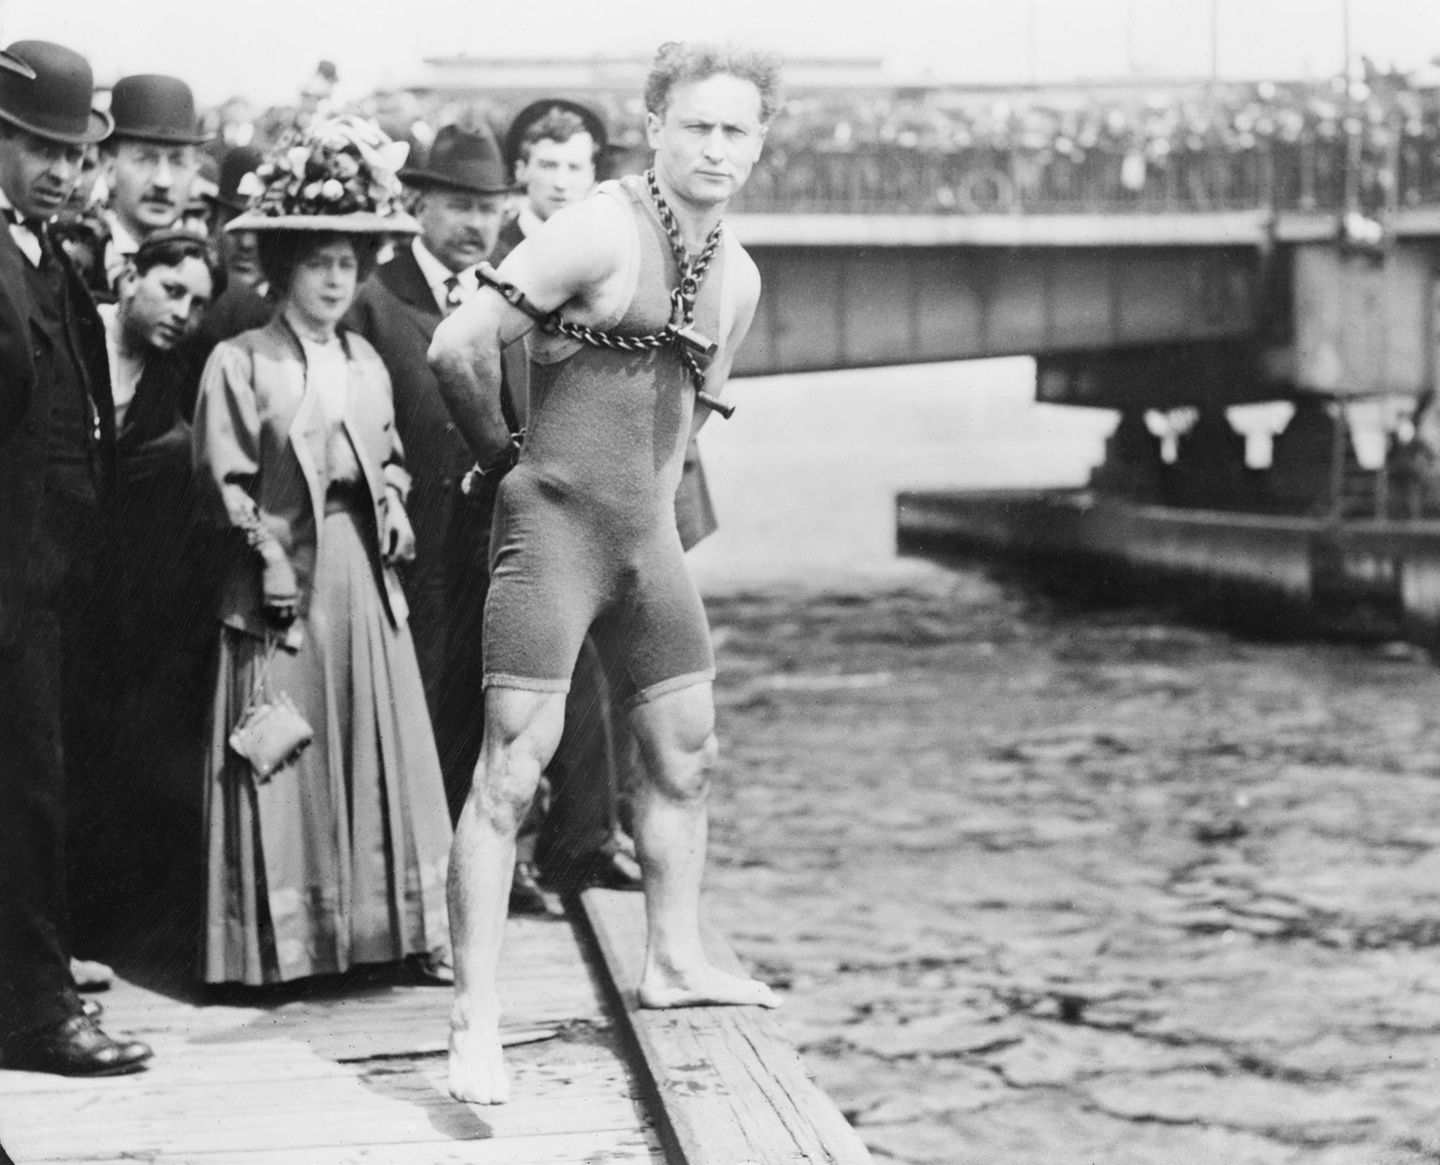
{"points": [[260, 443]]}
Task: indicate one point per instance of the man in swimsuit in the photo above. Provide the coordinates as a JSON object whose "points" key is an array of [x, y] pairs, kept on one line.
{"points": [[585, 526]]}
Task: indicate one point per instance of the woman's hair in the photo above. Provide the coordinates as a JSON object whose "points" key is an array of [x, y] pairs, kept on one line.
{"points": [[280, 252], [170, 249], [558, 125], [677, 63]]}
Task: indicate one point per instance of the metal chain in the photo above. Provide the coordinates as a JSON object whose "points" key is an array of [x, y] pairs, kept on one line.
{"points": [[682, 300]]}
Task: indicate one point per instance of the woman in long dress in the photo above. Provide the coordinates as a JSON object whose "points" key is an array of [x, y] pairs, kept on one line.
{"points": [[339, 858]]}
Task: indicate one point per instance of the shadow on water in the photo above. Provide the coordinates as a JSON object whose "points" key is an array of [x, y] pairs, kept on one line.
{"points": [[1090, 589]]}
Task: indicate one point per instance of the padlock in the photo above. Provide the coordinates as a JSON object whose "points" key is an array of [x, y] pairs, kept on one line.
{"points": [[696, 342]]}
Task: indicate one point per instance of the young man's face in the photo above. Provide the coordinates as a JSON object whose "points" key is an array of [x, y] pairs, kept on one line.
{"points": [[459, 227], [164, 306], [150, 183], [709, 138], [37, 174], [556, 174]]}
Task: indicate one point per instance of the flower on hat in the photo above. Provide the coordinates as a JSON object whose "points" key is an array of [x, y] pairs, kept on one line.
{"points": [[345, 165]]}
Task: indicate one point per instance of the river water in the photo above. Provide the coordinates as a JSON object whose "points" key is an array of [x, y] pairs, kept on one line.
{"points": [[804, 475], [1042, 882]]}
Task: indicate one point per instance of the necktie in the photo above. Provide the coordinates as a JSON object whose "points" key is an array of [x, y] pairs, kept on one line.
{"points": [[37, 227], [454, 296]]}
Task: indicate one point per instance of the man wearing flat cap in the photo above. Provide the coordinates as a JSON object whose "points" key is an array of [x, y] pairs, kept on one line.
{"points": [[552, 148], [459, 197], [57, 465], [151, 160]]}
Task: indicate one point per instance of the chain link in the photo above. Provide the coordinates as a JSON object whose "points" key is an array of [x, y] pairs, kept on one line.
{"points": [[682, 298]]}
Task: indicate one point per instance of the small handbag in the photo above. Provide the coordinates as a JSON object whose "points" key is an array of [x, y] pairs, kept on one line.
{"points": [[270, 733]]}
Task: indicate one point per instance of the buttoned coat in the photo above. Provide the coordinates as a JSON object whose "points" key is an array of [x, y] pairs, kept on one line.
{"points": [[260, 448], [25, 399], [396, 311]]}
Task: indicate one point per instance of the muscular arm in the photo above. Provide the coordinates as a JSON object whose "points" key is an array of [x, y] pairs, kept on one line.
{"points": [[742, 294], [565, 264]]}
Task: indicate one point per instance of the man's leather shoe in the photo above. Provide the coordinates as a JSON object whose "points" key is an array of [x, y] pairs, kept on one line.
{"points": [[92, 1008], [527, 896], [76, 1047]]}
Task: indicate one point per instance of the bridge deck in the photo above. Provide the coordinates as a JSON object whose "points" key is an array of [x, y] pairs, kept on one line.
{"points": [[1100, 229]]}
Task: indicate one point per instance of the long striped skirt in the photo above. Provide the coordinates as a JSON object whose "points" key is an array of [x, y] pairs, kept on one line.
{"points": [[340, 858]]}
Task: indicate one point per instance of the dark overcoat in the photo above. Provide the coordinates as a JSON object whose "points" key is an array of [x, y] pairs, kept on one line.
{"points": [[26, 356]]}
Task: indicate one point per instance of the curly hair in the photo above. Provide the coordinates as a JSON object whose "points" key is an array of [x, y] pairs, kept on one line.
{"points": [[678, 62]]}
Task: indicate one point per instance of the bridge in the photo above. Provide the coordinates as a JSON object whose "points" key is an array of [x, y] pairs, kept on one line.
{"points": [[1247, 280]]}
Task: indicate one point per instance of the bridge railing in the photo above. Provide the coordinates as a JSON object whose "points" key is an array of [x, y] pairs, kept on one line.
{"points": [[1309, 174]]}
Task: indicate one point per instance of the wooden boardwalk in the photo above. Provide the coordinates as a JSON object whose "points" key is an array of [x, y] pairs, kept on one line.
{"points": [[350, 1073]]}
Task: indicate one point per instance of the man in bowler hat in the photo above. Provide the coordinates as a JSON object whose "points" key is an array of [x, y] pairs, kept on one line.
{"points": [[57, 464], [151, 161], [459, 200]]}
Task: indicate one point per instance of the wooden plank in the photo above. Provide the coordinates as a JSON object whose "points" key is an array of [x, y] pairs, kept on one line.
{"points": [[401, 1103], [331, 1073], [725, 1086], [625, 1147]]}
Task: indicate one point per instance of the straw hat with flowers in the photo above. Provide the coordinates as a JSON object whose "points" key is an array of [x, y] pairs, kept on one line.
{"points": [[339, 175]]}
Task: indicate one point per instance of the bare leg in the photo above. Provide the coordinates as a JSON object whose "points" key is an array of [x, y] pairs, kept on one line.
{"points": [[521, 732], [677, 742]]}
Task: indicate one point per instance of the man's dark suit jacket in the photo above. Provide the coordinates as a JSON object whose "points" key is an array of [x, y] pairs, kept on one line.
{"points": [[446, 584], [396, 311], [25, 414]]}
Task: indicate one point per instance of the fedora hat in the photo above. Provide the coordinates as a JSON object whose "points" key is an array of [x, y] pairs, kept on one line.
{"points": [[459, 160], [54, 102], [537, 110], [151, 107]]}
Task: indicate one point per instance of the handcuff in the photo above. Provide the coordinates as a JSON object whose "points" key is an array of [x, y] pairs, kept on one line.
{"points": [[473, 478]]}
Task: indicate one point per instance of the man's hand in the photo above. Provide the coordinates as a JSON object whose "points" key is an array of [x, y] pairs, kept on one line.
{"points": [[397, 543]]}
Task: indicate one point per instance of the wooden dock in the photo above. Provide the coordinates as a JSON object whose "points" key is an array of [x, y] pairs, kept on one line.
{"points": [[1367, 577], [340, 1073]]}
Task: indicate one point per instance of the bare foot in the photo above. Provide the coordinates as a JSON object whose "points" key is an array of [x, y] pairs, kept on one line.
{"points": [[702, 986], [477, 1065]]}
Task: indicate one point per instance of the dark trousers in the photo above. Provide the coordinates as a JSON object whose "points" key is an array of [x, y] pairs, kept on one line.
{"points": [[135, 828], [46, 726], [446, 590]]}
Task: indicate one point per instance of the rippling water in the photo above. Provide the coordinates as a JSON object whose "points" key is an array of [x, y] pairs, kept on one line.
{"points": [[804, 476]]}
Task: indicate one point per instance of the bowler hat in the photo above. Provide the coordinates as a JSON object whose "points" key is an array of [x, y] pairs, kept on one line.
{"points": [[459, 160], [151, 107], [537, 110], [54, 103]]}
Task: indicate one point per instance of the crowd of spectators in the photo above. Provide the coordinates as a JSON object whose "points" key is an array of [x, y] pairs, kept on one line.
{"points": [[1123, 146]]}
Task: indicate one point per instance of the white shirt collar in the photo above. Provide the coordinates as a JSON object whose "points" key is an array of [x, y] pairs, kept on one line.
{"points": [[24, 237], [120, 236], [118, 250], [526, 218], [437, 275]]}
